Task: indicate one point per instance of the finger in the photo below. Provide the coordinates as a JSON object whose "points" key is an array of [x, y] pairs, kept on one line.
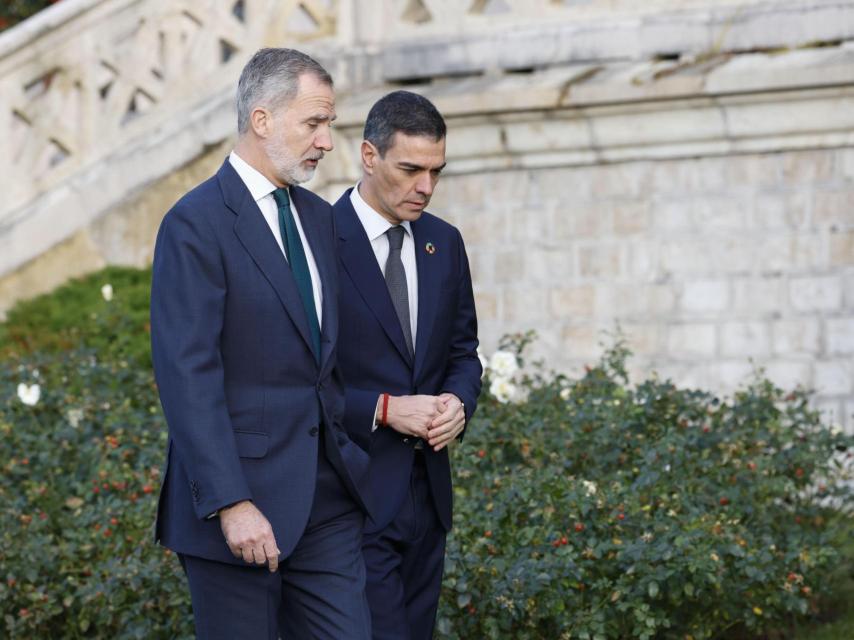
{"points": [[259, 555], [447, 417], [235, 550], [441, 440], [444, 425], [272, 556], [438, 432], [446, 436], [246, 554]]}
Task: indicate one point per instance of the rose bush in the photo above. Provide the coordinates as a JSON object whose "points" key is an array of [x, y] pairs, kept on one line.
{"points": [[597, 509], [586, 508]]}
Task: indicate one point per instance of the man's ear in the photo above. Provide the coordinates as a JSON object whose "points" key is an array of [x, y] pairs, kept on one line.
{"points": [[370, 155], [261, 121]]}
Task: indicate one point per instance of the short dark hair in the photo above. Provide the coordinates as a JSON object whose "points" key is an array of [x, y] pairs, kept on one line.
{"points": [[404, 112], [271, 78]]}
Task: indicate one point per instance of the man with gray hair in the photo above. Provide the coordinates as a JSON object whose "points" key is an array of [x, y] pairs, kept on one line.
{"points": [[260, 497]]}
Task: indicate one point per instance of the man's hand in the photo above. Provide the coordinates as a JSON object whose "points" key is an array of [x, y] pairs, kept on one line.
{"points": [[413, 415], [249, 535], [449, 424]]}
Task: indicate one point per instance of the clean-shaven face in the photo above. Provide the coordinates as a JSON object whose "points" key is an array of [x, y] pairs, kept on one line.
{"points": [[302, 131], [399, 186]]}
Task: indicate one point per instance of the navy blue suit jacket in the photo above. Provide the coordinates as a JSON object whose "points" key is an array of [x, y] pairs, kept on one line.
{"points": [[243, 392], [374, 358]]}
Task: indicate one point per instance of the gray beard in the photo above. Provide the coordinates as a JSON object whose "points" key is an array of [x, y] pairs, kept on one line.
{"points": [[287, 168]]}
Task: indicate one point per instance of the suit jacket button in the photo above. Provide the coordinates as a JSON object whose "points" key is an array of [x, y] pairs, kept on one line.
{"points": [[406, 439], [312, 431]]}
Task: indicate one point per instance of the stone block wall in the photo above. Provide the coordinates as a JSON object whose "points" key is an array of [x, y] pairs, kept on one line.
{"points": [[713, 267]]}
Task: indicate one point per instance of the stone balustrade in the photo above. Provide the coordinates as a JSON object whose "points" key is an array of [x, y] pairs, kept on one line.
{"points": [[87, 80]]}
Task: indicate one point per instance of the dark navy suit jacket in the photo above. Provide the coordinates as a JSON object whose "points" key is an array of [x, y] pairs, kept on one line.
{"points": [[243, 392], [374, 358]]}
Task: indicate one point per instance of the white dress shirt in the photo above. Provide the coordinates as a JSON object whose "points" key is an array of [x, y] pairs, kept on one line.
{"points": [[376, 226], [262, 192]]}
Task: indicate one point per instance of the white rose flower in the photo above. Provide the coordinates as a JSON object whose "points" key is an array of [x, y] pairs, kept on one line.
{"points": [[589, 487], [29, 394], [74, 417], [836, 430], [565, 393], [503, 390], [503, 364], [107, 292]]}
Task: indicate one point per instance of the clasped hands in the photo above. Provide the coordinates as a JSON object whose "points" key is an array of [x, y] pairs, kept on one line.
{"points": [[435, 419]]}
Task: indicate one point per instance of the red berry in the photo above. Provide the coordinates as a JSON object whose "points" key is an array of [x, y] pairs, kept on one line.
{"points": [[579, 527], [114, 521], [799, 473], [724, 501], [621, 516], [147, 489], [563, 540], [487, 534], [792, 577], [108, 532], [23, 613], [481, 453]]}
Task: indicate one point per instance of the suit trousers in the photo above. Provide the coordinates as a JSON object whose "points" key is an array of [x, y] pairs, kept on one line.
{"points": [[405, 562], [317, 593]]}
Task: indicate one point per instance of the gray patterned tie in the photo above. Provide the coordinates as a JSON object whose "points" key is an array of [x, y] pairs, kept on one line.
{"points": [[395, 279]]}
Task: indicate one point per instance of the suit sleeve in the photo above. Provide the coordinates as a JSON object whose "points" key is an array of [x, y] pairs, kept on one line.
{"points": [[359, 414], [463, 373], [187, 310]]}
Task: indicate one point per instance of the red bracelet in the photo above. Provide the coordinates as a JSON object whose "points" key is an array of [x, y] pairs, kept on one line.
{"points": [[385, 410]]}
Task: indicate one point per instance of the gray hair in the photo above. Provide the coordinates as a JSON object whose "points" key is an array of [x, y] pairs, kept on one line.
{"points": [[271, 79]]}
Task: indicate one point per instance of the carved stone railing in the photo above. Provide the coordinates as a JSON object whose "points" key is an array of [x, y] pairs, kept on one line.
{"points": [[86, 79]]}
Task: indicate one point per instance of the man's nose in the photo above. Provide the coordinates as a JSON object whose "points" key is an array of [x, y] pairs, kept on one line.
{"points": [[425, 184], [323, 140]]}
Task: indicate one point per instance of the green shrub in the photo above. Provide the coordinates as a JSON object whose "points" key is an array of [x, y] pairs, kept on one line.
{"points": [[77, 315], [599, 510], [80, 473]]}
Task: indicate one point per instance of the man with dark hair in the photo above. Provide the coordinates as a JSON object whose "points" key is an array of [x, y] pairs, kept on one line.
{"points": [[408, 353], [260, 496]]}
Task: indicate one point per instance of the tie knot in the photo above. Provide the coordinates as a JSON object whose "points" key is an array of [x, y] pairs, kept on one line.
{"points": [[281, 197], [395, 237]]}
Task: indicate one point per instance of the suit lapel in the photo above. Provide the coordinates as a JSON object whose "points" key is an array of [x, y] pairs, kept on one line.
{"points": [[254, 234], [428, 290], [324, 259], [357, 257]]}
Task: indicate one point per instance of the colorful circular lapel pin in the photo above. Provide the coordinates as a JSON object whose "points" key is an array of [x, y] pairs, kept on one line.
{"points": [[430, 248]]}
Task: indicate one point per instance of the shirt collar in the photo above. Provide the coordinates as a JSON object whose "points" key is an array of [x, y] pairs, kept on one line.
{"points": [[375, 225], [259, 186]]}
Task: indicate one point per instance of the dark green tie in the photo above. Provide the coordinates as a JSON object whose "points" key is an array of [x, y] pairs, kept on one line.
{"points": [[299, 264]]}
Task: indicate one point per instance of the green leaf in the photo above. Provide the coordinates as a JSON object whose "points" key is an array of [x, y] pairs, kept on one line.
{"points": [[652, 589]]}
